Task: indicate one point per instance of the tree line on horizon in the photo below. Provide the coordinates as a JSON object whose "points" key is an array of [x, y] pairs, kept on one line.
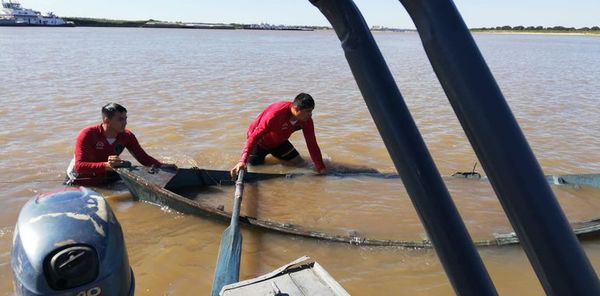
{"points": [[539, 28], [101, 22], [84, 21]]}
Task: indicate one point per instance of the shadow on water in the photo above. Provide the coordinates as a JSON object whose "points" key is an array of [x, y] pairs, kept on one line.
{"points": [[197, 193]]}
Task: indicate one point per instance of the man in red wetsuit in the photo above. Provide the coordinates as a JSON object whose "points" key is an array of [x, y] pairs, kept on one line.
{"points": [[97, 149], [270, 131]]}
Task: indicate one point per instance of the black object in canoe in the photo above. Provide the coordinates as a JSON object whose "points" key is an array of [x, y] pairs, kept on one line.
{"points": [[163, 187]]}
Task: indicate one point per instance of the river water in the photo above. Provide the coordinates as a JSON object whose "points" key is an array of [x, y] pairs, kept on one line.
{"points": [[191, 95]]}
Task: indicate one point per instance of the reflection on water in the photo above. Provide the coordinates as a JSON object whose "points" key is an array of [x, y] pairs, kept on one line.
{"points": [[191, 95]]}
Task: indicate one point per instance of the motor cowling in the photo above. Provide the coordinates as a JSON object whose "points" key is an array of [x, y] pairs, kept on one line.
{"points": [[69, 242]]}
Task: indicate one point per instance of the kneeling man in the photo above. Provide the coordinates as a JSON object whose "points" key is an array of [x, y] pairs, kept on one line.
{"points": [[270, 131]]}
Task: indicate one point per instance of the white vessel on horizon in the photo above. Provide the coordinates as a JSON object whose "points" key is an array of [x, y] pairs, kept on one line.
{"points": [[12, 14]]}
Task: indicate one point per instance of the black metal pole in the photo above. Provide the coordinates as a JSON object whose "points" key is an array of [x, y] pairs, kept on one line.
{"points": [[544, 232], [408, 151]]}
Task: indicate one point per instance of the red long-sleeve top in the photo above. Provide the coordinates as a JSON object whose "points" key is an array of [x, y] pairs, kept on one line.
{"points": [[92, 150], [273, 127]]}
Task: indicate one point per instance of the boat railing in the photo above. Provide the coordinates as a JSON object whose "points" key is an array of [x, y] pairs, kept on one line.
{"points": [[551, 246]]}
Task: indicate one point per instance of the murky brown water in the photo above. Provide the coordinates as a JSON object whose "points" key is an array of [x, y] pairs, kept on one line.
{"points": [[191, 95]]}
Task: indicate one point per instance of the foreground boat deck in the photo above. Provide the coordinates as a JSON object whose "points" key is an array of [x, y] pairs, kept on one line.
{"points": [[300, 277]]}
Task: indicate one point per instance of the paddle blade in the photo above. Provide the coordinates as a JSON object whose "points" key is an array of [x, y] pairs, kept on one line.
{"points": [[228, 262]]}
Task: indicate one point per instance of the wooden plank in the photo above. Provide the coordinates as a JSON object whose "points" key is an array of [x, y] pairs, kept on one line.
{"points": [[282, 285], [310, 283], [329, 280]]}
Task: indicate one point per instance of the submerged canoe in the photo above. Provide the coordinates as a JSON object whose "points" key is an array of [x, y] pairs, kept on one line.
{"points": [[591, 180], [175, 189]]}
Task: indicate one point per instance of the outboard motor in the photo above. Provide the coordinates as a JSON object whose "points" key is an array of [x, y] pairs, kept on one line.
{"points": [[69, 242]]}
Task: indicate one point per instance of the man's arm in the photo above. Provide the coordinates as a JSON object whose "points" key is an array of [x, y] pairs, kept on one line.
{"points": [[308, 129], [136, 150], [253, 139]]}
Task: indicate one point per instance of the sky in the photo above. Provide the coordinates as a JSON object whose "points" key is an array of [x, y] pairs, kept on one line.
{"points": [[388, 13]]}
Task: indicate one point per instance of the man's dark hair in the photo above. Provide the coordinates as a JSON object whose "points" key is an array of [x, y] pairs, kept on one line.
{"points": [[110, 109], [304, 101]]}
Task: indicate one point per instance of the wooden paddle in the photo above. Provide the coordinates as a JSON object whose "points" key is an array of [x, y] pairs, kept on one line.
{"points": [[227, 270]]}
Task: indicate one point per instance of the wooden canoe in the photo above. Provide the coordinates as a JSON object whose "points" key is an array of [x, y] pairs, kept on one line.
{"points": [[590, 180], [163, 187]]}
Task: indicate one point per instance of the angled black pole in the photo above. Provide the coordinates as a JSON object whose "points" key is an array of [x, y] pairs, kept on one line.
{"points": [[544, 232], [423, 182]]}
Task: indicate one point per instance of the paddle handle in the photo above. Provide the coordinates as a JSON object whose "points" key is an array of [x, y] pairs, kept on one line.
{"points": [[240, 182], [237, 200]]}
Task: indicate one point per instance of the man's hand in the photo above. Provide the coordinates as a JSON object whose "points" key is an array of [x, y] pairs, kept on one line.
{"points": [[113, 162], [236, 169]]}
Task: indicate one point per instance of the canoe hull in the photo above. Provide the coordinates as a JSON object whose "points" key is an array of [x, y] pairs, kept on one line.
{"points": [[160, 187]]}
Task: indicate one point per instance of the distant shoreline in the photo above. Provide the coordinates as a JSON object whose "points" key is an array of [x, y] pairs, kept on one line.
{"points": [[518, 30], [556, 30], [95, 22], [515, 32]]}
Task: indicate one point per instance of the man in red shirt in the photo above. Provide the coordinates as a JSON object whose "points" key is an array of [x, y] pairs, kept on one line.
{"points": [[270, 131], [97, 149]]}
